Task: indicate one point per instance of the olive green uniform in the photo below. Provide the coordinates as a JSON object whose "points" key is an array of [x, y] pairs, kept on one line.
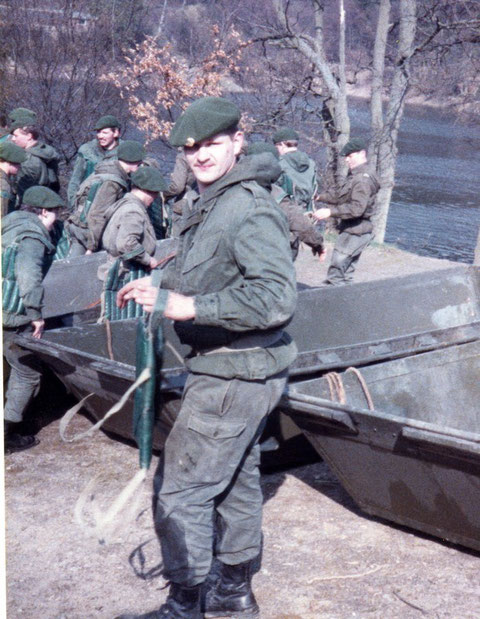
{"points": [[129, 233], [7, 197], [89, 155], [234, 258], [302, 171], [353, 207], [34, 247], [87, 234], [40, 168]]}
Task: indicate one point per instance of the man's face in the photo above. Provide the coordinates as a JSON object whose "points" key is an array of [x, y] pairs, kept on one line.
{"points": [[130, 166], [48, 218], [214, 157], [107, 138], [355, 159], [21, 138], [13, 168]]}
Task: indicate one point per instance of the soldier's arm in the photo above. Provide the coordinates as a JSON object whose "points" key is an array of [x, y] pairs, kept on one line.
{"points": [[78, 174], [29, 276], [301, 225]]}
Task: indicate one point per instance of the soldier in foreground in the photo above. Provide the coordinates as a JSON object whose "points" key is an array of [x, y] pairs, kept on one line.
{"points": [[233, 291], [104, 146], [300, 169], [11, 156], [26, 246], [354, 207]]}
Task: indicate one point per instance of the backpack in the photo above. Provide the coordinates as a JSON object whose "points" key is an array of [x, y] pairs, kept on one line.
{"points": [[86, 195], [301, 185]]}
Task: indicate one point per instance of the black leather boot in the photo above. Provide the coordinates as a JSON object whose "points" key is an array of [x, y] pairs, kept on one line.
{"points": [[182, 603], [232, 595], [14, 441]]}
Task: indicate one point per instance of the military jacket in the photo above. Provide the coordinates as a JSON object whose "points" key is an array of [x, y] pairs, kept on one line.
{"points": [[181, 179], [89, 154], [129, 233], [7, 197], [40, 168], [106, 197], [234, 258], [354, 204], [31, 262]]}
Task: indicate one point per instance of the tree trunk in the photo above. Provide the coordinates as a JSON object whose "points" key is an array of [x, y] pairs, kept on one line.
{"points": [[476, 258], [387, 151]]}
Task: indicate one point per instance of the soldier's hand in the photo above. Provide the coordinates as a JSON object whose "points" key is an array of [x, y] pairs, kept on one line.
{"points": [[322, 213], [179, 307], [38, 326], [138, 290]]}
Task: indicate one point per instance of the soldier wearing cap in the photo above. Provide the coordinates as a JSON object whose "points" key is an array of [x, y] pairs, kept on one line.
{"points": [[41, 164], [11, 156], [232, 291], [301, 227], [104, 146], [26, 247], [353, 206], [97, 195], [297, 166], [129, 233], [29, 116]]}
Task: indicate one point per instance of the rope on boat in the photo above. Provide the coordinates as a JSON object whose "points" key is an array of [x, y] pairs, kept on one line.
{"points": [[337, 389]]}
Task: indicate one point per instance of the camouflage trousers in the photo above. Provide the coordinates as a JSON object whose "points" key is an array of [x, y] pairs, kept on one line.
{"points": [[346, 254], [24, 379], [207, 495]]}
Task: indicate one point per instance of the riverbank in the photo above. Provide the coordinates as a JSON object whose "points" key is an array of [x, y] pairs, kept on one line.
{"points": [[322, 559]]}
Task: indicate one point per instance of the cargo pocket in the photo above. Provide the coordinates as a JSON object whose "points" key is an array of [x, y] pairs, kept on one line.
{"points": [[214, 427]]}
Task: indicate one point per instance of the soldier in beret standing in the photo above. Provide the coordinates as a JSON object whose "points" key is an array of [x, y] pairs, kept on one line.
{"points": [[353, 206], [104, 146], [232, 291], [11, 156], [26, 246]]}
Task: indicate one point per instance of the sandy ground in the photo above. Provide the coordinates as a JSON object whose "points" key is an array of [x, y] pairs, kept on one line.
{"points": [[322, 557]]}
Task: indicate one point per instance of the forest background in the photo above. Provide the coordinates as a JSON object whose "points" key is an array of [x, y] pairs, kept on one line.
{"points": [[287, 62]]}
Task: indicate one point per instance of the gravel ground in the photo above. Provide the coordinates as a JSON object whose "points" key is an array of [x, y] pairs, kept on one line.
{"points": [[322, 557]]}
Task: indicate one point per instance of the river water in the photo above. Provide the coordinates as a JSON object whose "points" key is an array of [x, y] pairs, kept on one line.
{"points": [[435, 208]]}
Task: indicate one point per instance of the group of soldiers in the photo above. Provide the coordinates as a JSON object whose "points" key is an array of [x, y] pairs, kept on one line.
{"points": [[230, 290]]}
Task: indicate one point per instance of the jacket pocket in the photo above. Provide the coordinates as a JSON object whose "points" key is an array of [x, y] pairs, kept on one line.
{"points": [[201, 251]]}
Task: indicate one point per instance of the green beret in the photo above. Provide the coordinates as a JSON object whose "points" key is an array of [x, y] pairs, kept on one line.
{"points": [[131, 151], [12, 153], [20, 122], [24, 113], [107, 122], [285, 134], [353, 146], [42, 197], [262, 147], [203, 119], [149, 179]]}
